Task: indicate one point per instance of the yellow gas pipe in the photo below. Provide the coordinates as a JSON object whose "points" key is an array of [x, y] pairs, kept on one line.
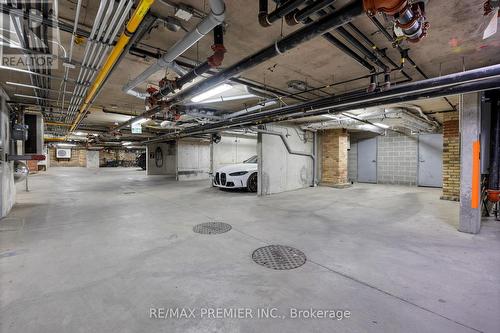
{"points": [[131, 27]]}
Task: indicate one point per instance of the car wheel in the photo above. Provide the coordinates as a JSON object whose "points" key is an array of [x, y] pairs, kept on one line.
{"points": [[252, 183]]}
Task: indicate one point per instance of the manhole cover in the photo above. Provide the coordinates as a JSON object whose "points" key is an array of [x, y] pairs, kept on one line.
{"points": [[279, 257], [211, 228]]}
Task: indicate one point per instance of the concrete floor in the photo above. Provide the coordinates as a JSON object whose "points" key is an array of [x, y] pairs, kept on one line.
{"points": [[93, 250]]}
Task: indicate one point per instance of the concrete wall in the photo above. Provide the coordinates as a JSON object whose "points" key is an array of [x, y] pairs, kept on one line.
{"points": [[193, 160], [231, 150], [280, 171], [397, 159], [7, 187], [169, 165], [92, 158], [352, 162]]}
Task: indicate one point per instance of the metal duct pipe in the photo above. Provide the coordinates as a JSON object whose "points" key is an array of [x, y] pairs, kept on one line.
{"points": [[474, 80], [130, 29], [98, 44], [266, 19], [332, 21], [291, 151], [213, 61], [215, 18], [352, 125]]}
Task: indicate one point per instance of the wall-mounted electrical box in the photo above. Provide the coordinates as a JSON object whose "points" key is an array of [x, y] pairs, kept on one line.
{"points": [[63, 153]]}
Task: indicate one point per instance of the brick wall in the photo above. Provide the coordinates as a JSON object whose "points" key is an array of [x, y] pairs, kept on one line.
{"points": [[352, 165], [334, 157], [123, 157], [78, 158], [397, 159], [451, 157]]}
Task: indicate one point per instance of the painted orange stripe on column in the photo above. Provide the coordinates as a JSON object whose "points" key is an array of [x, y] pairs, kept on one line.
{"points": [[476, 148]]}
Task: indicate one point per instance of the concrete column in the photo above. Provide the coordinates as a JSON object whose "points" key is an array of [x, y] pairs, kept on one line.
{"points": [[334, 158], [470, 175]]}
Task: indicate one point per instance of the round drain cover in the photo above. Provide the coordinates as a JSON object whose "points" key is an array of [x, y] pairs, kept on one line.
{"points": [[211, 228], [279, 257]]}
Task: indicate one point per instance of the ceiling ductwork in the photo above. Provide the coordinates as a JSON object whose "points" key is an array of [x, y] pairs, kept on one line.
{"points": [[215, 18]]}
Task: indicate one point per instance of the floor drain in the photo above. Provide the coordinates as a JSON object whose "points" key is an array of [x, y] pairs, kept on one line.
{"points": [[211, 228], [132, 192], [279, 257]]}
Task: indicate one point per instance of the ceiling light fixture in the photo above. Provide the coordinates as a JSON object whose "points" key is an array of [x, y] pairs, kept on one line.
{"points": [[228, 98], [212, 92], [126, 143], [381, 125], [331, 116], [140, 121], [66, 145]]}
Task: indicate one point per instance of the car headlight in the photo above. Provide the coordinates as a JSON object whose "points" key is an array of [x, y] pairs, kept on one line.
{"points": [[239, 173]]}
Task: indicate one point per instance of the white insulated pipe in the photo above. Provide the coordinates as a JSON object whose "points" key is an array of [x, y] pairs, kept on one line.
{"points": [[216, 17]]}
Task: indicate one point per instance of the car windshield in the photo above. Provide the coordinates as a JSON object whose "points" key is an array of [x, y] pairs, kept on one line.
{"points": [[252, 159]]}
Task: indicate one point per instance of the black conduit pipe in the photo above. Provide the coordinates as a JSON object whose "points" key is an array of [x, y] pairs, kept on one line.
{"points": [[363, 49], [463, 82], [494, 172], [342, 103], [266, 19], [297, 16], [380, 52], [332, 21], [344, 48], [404, 53]]}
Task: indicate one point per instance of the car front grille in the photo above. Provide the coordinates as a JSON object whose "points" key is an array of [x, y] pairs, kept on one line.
{"points": [[217, 180], [223, 179]]}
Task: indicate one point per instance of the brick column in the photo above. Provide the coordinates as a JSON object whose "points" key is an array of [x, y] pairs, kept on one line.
{"points": [[451, 157], [334, 158]]}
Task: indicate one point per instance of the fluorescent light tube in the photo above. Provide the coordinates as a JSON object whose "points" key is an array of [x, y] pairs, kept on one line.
{"points": [[381, 125], [228, 98], [212, 92]]}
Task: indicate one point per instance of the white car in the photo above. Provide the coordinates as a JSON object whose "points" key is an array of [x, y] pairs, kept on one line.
{"points": [[242, 175]]}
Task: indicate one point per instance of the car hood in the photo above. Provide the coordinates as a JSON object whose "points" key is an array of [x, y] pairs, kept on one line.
{"points": [[238, 167]]}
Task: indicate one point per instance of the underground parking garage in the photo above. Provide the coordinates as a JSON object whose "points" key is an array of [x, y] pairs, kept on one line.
{"points": [[250, 166]]}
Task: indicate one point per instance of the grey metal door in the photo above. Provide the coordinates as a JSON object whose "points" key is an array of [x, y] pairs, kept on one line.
{"points": [[367, 161], [430, 160]]}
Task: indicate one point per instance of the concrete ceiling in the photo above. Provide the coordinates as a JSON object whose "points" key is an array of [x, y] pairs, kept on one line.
{"points": [[453, 44]]}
